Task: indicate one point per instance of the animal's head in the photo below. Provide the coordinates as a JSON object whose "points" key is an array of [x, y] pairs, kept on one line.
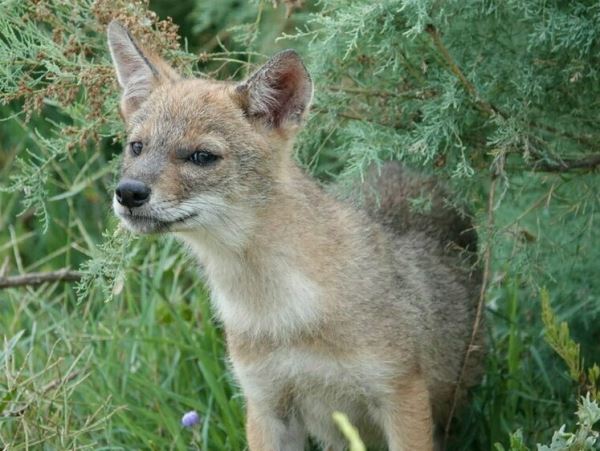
{"points": [[200, 154]]}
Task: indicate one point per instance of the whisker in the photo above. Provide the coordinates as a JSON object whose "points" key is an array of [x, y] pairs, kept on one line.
{"points": [[214, 216]]}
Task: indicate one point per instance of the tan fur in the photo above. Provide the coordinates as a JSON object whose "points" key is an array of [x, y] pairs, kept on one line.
{"points": [[407, 417], [361, 306]]}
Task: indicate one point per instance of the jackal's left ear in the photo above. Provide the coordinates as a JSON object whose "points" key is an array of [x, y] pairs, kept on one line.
{"points": [[279, 93], [138, 71]]}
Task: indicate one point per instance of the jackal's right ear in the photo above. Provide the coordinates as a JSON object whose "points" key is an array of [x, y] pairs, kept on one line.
{"points": [[138, 72], [279, 93]]}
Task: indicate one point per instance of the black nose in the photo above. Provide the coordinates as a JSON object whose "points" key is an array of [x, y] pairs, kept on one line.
{"points": [[131, 193]]}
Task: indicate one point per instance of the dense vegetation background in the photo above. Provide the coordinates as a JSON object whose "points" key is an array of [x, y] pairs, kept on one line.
{"points": [[500, 98]]}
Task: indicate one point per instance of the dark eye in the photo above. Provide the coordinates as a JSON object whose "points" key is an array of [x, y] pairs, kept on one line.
{"points": [[203, 157], [136, 147]]}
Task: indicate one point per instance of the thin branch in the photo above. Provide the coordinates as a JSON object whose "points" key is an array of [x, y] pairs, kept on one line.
{"points": [[212, 44], [481, 104], [359, 117], [588, 141], [588, 162], [487, 263], [411, 93], [38, 278]]}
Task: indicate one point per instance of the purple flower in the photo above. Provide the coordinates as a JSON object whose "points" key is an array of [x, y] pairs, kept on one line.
{"points": [[190, 419]]}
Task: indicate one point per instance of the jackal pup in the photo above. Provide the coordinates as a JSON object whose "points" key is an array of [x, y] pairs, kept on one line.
{"points": [[365, 309]]}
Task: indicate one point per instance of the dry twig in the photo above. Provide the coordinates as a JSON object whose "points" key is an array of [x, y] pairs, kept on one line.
{"points": [[480, 103], [487, 260], [38, 278], [565, 165]]}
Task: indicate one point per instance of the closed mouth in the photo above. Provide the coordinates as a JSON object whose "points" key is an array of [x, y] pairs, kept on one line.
{"points": [[155, 223]]}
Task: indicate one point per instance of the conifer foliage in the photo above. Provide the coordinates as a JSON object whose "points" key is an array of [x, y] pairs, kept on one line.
{"points": [[500, 98]]}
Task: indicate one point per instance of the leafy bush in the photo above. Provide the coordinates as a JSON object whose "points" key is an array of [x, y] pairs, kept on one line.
{"points": [[584, 439], [500, 98]]}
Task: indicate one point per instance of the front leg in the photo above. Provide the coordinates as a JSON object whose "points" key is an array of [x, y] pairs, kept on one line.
{"points": [[266, 431], [406, 416]]}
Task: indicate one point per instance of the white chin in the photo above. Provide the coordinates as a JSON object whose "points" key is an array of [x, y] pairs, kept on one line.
{"points": [[143, 225], [143, 221], [136, 223]]}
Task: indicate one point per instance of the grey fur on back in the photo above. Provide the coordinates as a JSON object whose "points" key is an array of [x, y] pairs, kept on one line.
{"points": [[390, 194], [442, 243]]}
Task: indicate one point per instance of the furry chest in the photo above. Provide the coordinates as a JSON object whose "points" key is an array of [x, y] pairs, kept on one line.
{"points": [[312, 385], [277, 304]]}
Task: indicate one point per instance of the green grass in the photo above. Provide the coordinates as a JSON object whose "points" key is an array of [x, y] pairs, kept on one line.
{"points": [[118, 375], [115, 364], [115, 369]]}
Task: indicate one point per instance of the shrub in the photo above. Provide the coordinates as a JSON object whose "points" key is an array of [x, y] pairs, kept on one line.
{"points": [[499, 98]]}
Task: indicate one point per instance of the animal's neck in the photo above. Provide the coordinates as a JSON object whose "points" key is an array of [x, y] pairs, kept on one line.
{"points": [[265, 284]]}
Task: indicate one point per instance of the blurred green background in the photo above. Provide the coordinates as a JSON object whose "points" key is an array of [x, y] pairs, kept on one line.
{"points": [[499, 98]]}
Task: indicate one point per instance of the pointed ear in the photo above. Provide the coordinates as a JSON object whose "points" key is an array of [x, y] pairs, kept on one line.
{"points": [[138, 72], [279, 93]]}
